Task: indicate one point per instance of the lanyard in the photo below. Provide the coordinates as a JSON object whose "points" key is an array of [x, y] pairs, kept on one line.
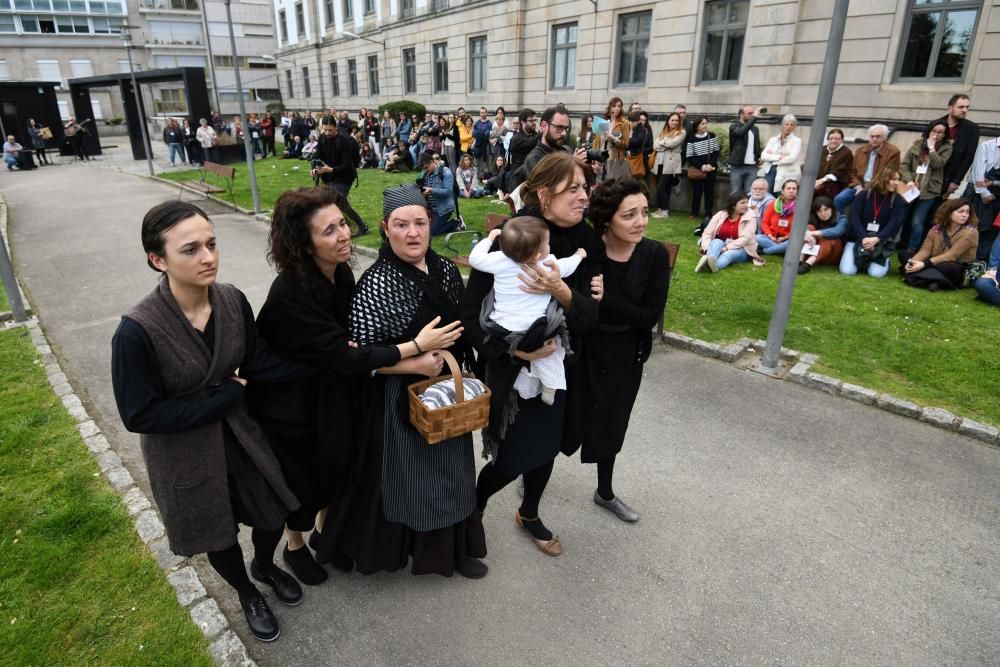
{"points": [[876, 206]]}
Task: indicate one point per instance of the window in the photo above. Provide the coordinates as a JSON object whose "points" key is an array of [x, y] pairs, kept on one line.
{"points": [[123, 66], [95, 107], [348, 9], [227, 61], [440, 51], [369, 6], [283, 24], [253, 65], [106, 26], [409, 71], [407, 9], [439, 5], [373, 75], [267, 94], [352, 77], [725, 25], [48, 70], [477, 63], [335, 79], [80, 68], [180, 61], [564, 55], [63, 109], [633, 48], [306, 89], [72, 24], [938, 39], [300, 19], [7, 23], [288, 81], [175, 32], [221, 29], [172, 100], [328, 10]]}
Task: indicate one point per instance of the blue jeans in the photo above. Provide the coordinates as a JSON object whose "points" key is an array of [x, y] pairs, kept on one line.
{"points": [[415, 152], [771, 247], [741, 178], [11, 163], [173, 150], [724, 259], [257, 147], [988, 291], [850, 268], [844, 199], [442, 225], [770, 177], [920, 210]]}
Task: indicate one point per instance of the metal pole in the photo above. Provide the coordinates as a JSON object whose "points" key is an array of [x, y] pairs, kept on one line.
{"points": [[782, 303], [138, 101], [10, 284], [251, 172], [211, 56]]}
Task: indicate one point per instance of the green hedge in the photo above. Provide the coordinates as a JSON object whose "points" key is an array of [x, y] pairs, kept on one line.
{"points": [[403, 106]]}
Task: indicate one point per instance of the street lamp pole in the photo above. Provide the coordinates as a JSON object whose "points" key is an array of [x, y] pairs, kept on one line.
{"points": [[127, 41], [247, 147]]}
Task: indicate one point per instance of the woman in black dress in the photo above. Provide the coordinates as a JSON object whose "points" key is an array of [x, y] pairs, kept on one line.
{"points": [[410, 499], [174, 359], [319, 425], [636, 278], [524, 436]]}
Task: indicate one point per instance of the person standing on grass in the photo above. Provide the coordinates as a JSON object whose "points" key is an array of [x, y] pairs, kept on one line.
{"points": [[208, 139], [174, 363], [667, 168], [338, 152], [267, 133], [964, 135], [744, 149]]}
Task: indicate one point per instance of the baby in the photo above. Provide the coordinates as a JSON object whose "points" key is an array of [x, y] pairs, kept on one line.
{"points": [[525, 240]]}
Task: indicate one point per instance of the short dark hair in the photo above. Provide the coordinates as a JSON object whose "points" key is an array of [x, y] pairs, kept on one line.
{"points": [[289, 241], [521, 237], [525, 114], [161, 219], [425, 159], [608, 196], [956, 97], [734, 199], [550, 113]]}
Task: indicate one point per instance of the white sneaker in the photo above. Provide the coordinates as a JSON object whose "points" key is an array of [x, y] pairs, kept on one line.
{"points": [[702, 263], [659, 214], [713, 263]]}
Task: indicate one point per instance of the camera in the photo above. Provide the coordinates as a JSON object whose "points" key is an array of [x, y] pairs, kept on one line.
{"points": [[316, 164], [597, 156]]}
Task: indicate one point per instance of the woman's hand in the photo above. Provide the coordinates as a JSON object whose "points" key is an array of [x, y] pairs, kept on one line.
{"points": [[915, 266], [820, 183], [810, 239], [537, 281], [597, 287], [432, 337], [547, 348], [428, 363], [869, 242]]}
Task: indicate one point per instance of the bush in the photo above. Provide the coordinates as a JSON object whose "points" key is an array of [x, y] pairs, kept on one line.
{"points": [[722, 133], [274, 107], [115, 120], [403, 106]]}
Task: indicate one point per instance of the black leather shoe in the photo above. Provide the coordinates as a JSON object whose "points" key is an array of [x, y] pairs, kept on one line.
{"points": [[336, 561], [304, 566], [285, 588], [263, 624], [472, 568]]}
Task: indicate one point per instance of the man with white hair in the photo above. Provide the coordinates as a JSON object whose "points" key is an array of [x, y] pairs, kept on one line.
{"points": [[868, 161]]}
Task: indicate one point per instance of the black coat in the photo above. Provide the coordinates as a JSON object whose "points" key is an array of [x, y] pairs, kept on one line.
{"points": [[342, 154], [738, 132], [966, 142]]}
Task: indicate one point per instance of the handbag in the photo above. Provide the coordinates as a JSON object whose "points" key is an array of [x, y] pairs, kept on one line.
{"points": [[696, 174], [636, 165], [651, 161], [45, 132], [451, 421]]}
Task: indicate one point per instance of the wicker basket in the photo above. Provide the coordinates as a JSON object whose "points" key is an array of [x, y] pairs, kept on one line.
{"points": [[452, 420]]}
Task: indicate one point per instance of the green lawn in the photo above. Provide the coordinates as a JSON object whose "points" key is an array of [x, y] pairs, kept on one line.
{"points": [[76, 584], [877, 333], [4, 305]]}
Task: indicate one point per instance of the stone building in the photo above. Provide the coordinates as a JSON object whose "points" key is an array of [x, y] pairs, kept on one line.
{"points": [[901, 59], [57, 40]]}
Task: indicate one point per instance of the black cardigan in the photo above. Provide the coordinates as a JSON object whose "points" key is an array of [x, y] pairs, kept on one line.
{"points": [[966, 142]]}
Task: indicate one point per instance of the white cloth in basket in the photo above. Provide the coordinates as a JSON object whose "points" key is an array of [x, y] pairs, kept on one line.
{"points": [[442, 394]]}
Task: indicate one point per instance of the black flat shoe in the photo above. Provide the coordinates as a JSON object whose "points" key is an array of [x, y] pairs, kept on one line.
{"points": [[472, 568], [285, 588], [304, 566], [263, 624], [804, 268], [336, 561]]}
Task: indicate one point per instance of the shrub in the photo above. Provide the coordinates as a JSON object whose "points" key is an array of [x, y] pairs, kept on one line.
{"points": [[115, 120], [403, 106], [275, 107], [722, 132]]}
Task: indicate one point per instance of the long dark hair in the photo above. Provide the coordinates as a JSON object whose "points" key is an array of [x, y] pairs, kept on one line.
{"points": [[289, 243], [818, 203]]}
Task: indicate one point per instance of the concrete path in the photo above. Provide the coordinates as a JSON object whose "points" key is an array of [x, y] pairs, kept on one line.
{"points": [[779, 524]]}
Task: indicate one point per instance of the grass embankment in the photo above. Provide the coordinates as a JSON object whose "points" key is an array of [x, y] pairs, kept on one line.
{"points": [[877, 333], [76, 584]]}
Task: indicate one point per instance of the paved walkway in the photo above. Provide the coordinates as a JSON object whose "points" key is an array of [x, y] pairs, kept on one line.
{"points": [[779, 524]]}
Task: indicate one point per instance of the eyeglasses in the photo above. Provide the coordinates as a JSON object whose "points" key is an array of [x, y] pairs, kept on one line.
{"points": [[560, 128]]}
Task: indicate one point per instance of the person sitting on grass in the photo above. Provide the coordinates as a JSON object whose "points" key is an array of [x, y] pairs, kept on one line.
{"points": [[950, 243], [399, 159], [824, 240], [987, 287], [494, 180], [309, 150], [876, 217], [369, 160], [467, 179], [776, 225], [729, 237], [293, 150]]}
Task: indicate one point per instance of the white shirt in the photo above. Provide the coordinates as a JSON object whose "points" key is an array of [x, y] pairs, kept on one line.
{"points": [[987, 157], [513, 308], [750, 159]]}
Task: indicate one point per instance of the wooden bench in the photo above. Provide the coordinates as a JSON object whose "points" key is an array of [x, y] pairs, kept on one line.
{"points": [[672, 250], [227, 174], [493, 220]]}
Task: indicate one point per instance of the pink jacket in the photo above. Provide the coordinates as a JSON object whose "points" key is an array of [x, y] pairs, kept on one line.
{"points": [[748, 232]]}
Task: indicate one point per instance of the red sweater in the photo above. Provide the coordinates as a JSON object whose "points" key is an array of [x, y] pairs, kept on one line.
{"points": [[774, 225]]}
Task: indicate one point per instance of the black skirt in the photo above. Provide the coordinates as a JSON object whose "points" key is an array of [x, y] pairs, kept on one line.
{"points": [[356, 527], [254, 502], [533, 440], [304, 475]]}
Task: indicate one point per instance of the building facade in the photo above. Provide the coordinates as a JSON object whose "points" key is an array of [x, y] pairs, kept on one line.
{"points": [[57, 40], [901, 59]]}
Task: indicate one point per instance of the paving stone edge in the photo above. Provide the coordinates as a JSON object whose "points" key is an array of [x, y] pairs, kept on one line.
{"points": [[225, 646], [800, 373]]}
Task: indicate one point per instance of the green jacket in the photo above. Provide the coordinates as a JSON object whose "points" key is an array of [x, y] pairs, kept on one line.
{"points": [[931, 184]]}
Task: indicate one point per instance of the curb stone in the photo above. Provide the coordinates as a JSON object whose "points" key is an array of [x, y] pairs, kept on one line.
{"points": [[800, 374], [225, 646]]}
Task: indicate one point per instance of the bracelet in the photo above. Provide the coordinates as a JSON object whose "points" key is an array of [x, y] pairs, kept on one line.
{"points": [[417, 345]]}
